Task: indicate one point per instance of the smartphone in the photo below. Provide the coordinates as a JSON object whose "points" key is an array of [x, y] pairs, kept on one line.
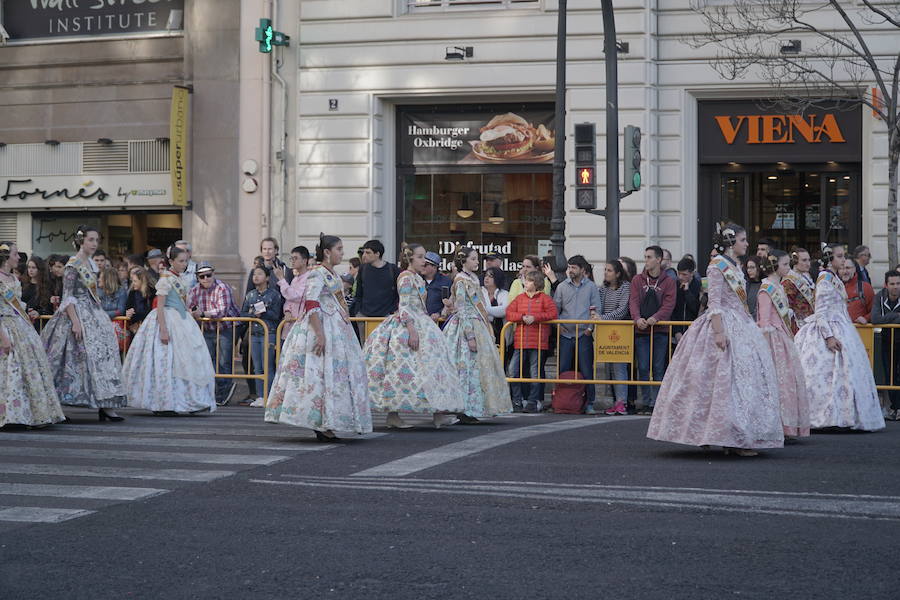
{"points": [[445, 291]]}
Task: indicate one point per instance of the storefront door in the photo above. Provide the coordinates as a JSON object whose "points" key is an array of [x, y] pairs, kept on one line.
{"points": [[787, 205]]}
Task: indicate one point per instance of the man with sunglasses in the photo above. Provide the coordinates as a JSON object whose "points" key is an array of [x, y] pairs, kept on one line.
{"points": [[213, 299]]}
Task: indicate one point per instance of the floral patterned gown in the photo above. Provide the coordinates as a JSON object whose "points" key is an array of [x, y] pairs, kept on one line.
{"points": [[720, 397], [773, 315], [327, 392], [840, 385], [28, 397], [484, 388], [87, 372], [400, 378], [177, 376]]}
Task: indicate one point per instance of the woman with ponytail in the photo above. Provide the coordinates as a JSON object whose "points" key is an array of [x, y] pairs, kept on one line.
{"points": [[719, 389], [839, 381], [28, 396], [774, 316], [472, 349], [80, 339], [407, 357], [321, 380]]}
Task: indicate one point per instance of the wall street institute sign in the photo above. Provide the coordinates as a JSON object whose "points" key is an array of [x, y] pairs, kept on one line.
{"points": [[36, 19]]}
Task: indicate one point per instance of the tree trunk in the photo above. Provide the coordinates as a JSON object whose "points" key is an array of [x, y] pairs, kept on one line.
{"points": [[893, 158]]}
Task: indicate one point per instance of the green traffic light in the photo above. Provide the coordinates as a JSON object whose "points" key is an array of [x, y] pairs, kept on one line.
{"points": [[636, 181]]}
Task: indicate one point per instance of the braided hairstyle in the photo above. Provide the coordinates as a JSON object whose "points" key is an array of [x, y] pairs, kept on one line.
{"points": [[326, 242], [827, 255], [726, 236], [460, 256], [5, 251], [407, 251], [770, 263], [795, 255], [80, 232]]}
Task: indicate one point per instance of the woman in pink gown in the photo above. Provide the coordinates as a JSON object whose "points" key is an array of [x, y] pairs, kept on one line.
{"points": [[716, 391], [773, 315]]}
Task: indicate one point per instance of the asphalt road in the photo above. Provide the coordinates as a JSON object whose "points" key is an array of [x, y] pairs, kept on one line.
{"points": [[543, 506]]}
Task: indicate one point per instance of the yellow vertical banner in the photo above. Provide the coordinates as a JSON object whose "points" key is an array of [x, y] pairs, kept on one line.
{"points": [[867, 334], [613, 343], [178, 144]]}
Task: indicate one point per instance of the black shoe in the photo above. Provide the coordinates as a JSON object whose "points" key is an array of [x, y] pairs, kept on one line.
{"points": [[103, 417], [466, 419], [517, 407], [326, 439]]}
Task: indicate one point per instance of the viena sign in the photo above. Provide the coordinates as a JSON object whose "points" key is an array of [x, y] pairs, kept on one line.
{"points": [[756, 132], [85, 191]]}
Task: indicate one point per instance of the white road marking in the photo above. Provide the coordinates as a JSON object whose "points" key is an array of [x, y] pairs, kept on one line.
{"points": [[94, 492], [116, 440], [113, 472], [762, 502], [437, 456], [33, 514], [109, 454]]}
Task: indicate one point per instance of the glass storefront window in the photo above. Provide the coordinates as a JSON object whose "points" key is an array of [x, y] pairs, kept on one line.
{"points": [[507, 214], [122, 233]]}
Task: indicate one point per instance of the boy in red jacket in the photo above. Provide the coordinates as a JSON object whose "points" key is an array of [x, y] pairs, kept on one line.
{"points": [[528, 311]]}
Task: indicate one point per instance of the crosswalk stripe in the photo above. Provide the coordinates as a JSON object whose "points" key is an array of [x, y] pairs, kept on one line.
{"points": [[93, 492], [216, 459], [115, 440], [112, 472], [265, 431], [33, 514]]}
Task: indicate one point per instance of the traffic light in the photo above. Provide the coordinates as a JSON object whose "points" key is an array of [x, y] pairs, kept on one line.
{"points": [[632, 158], [268, 37], [585, 166]]}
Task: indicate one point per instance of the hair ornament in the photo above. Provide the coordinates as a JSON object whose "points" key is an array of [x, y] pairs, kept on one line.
{"points": [[724, 238], [4, 248]]}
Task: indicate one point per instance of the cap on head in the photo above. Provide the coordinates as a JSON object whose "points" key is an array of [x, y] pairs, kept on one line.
{"points": [[433, 258], [155, 253], [204, 267]]}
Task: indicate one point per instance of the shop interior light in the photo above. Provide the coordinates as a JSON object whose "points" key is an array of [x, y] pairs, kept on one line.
{"points": [[846, 177], [773, 177], [464, 211], [832, 180], [104, 141], [496, 218], [52, 142]]}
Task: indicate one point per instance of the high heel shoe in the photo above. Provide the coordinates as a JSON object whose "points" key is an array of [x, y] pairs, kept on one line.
{"points": [[104, 416], [325, 439], [395, 422]]}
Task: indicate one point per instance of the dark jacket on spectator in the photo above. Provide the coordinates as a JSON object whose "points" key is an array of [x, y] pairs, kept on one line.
{"points": [[376, 291], [433, 298], [141, 304]]}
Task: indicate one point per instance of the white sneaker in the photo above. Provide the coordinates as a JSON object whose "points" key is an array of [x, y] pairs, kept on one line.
{"points": [[444, 420], [258, 403]]}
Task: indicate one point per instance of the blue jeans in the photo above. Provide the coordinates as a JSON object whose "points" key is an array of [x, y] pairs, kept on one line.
{"points": [[642, 348], [225, 358], [585, 360], [534, 370], [258, 345], [619, 372]]}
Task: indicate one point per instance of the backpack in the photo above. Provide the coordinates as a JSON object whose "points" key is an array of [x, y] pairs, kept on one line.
{"points": [[568, 398], [650, 303]]}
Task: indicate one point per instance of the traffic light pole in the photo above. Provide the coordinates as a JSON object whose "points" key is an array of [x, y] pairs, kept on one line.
{"points": [[612, 131], [558, 214]]}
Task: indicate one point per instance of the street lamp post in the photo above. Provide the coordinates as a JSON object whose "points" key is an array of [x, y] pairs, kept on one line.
{"points": [[558, 214]]}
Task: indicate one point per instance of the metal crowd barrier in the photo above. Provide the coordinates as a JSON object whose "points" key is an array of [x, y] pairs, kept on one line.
{"points": [[263, 377]]}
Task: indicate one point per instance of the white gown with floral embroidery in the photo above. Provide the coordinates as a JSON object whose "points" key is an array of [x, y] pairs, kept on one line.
{"points": [[177, 376], [327, 391], [840, 385]]}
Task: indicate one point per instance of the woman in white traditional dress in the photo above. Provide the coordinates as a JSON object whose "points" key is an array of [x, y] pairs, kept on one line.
{"points": [[168, 369], [80, 340], [321, 381], [472, 349], [719, 389], [28, 396], [407, 357], [839, 378]]}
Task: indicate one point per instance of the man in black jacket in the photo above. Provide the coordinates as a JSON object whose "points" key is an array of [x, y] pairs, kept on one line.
{"points": [[886, 311], [376, 285], [687, 297]]}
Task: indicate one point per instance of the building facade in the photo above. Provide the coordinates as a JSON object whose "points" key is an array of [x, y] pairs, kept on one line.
{"points": [[87, 125], [402, 102]]}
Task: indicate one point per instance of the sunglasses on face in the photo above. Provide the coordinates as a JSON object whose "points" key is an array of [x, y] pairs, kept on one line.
{"points": [[204, 276]]}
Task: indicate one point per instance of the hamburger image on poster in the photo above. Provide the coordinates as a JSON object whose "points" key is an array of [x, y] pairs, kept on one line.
{"points": [[509, 137]]}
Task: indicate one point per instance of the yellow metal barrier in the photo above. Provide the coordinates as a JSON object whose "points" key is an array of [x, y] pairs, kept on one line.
{"points": [[264, 376]]}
